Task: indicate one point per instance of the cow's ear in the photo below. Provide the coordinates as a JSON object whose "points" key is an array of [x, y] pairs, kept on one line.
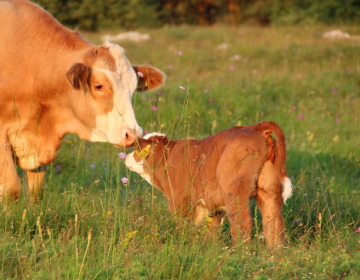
{"points": [[79, 76], [149, 78]]}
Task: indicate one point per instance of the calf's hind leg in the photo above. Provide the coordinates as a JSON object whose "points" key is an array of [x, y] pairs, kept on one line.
{"points": [[270, 202], [237, 191]]}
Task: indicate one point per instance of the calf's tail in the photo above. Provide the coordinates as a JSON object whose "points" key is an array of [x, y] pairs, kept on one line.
{"points": [[277, 153]]}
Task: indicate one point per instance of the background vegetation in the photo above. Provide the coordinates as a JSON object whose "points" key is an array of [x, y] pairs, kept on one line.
{"points": [[130, 14], [91, 226]]}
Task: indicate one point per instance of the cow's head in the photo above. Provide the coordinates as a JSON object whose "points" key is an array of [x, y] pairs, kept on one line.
{"points": [[107, 81]]}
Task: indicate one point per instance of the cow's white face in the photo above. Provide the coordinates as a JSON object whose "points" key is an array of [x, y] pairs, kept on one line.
{"points": [[109, 81], [113, 126]]}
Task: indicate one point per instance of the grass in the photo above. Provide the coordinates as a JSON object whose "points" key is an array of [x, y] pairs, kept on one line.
{"points": [[91, 226]]}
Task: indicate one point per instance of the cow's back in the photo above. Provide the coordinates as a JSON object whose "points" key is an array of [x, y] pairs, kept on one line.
{"points": [[34, 47]]}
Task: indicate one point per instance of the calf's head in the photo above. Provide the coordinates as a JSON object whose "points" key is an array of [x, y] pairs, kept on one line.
{"points": [[150, 153], [104, 82]]}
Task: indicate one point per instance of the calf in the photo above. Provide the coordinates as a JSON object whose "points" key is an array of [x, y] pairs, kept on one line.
{"points": [[220, 173]]}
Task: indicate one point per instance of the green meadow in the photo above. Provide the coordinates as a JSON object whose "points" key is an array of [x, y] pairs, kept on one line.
{"points": [[90, 225]]}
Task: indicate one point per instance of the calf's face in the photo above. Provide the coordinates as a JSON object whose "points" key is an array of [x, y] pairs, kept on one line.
{"points": [[108, 81], [149, 152]]}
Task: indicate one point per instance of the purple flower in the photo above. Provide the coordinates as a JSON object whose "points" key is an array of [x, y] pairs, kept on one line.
{"points": [[179, 52], [357, 230], [298, 221], [334, 90], [231, 67], [301, 117], [294, 108], [152, 99], [105, 169], [211, 100], [138, 200], [159, 93], [58, 167], [178, 117], [337, 120], [104, 163], [92, 166], [122, 155], [124, 180], [181, 87], [146, 132], [154, 108]]}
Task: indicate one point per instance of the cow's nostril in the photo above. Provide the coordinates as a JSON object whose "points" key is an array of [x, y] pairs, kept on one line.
{"points": [[126, 135]]}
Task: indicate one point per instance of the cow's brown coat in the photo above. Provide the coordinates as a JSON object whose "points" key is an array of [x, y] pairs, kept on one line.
{"points": [[53, 82]]}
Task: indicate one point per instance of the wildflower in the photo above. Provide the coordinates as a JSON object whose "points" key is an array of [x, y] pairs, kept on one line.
{"points": [[206, 90], [159, 93], [337, 120], [104, 163], [105, 169], [146, 132], [334, 90], [301, 117], [140, 74], [231, 67], [180, 87], [357, 230], [171, 67], [294, 108], [179, 53], [122, 155], [138, 200], [124, 180], [178, 117], [254, 71], [152, 100], [298, 221], [154, 108], [211, 100], [92, 166], [58, 167]]}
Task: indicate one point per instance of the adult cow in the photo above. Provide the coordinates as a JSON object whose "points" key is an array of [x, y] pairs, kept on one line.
{"points": [[53, 82]]}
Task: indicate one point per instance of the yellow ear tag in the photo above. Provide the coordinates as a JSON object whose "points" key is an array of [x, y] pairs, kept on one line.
{"points": [[144, 153]]}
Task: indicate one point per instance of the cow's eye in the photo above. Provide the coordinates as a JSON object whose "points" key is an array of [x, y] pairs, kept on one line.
{"points": [[98, 86]]}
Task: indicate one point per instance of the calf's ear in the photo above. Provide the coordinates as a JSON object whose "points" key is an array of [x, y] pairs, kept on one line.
{"points": [[149, 78], [79, 76]]}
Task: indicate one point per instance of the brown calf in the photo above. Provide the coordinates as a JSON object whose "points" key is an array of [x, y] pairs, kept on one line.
{"points": [[221, 173]]}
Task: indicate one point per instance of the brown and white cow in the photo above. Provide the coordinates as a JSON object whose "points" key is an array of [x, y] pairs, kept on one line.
{"points": [[220, 173], [53, 82]]}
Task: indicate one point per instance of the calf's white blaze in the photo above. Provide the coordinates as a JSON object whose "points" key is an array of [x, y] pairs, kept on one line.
{"points": [[137, 167]]}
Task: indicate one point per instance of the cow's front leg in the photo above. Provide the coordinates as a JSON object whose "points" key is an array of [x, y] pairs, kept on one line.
{"points": [[10, 185], [35, 181]]}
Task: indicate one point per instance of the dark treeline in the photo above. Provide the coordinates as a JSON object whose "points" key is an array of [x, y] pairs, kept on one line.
{"points": [[131, 14]]}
